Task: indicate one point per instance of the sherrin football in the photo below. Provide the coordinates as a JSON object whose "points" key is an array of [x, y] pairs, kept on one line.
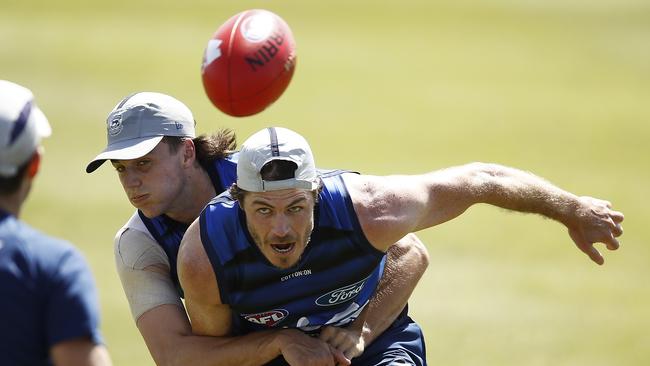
{"points": [[248, 63]]}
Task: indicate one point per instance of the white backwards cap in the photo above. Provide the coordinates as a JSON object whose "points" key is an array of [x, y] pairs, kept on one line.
{"points": [[275, 143]]}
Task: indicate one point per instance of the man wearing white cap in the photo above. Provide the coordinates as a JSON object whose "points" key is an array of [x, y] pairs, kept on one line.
{"points": [[49, 310], [169, 175], [289, 247]]}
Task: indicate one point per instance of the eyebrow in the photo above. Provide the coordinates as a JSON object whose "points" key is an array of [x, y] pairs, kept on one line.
{"points": [[264, 203]]}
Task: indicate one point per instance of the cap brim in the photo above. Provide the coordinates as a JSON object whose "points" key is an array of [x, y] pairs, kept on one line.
{"points": [[124, 150]]}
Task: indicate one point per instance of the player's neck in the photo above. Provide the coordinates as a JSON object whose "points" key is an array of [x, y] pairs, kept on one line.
{"points": [[12, 203], [198, 191]]}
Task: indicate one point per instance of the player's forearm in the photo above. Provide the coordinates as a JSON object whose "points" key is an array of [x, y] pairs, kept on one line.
{"points": [[169, 338], [407, 260], [521, 191], [253, 349]]}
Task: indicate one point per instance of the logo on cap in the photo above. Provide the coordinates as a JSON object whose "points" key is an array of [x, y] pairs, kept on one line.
{"points": [[115, 126]]}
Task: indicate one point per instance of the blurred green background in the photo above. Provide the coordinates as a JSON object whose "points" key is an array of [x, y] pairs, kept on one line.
{"points": [[560, 88]]}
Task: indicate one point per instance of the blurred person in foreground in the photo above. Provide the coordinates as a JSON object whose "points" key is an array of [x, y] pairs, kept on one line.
{"points": [[169, 174], [238, 262], [49, 310]]}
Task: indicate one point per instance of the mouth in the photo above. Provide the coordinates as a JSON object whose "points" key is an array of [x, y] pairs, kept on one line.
{"points": [[283, 248], [139, 198]]}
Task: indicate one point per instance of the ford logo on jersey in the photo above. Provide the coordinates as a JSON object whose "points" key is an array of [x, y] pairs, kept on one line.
{"points": [[267, 318], [341, 295]]}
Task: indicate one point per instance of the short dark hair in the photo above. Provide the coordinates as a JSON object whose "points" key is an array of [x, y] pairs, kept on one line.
{"points": [[9, 185], [274, 170], [278, 170]]}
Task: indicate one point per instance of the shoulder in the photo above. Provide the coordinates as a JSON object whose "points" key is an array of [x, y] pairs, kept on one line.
{"points": [[47, 252], [222, 200], [221, 213], [135, 249], [42, 260], [34, 239], [192, 258], [362, 184], [135, 222]]}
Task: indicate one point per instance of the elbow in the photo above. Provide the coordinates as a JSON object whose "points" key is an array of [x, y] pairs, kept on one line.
{"points": [[173, 356], [423, 256], [483, 170], [419, 253], [481, 181]]}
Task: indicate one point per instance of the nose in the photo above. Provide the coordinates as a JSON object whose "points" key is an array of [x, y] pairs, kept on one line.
{"points": [[280, 227], [130, 179]]}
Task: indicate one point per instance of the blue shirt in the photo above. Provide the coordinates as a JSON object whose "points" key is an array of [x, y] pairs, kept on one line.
{"points": [[331, 283], [47, 294]]}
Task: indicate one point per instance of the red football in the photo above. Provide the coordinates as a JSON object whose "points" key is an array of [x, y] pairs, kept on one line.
{"points": [[249, 62]]}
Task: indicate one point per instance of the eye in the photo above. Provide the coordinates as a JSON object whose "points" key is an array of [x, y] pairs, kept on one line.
{"points": [[263, 210], [295, 209], [144, 162], [119, 168]]}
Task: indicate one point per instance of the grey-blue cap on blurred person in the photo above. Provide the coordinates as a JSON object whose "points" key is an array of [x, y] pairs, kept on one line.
{"points": [[22, 126], [139, 122]]}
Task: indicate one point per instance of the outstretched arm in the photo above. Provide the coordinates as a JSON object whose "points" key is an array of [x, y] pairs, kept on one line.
{"points": [[395, 205], [405, 264]]}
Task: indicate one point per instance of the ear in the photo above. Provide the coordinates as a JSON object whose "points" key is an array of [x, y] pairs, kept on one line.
{"points": [[189, 151], [34, 164]]}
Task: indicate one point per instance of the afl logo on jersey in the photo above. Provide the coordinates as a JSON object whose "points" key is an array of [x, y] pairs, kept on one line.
{"points": [[268, 318], [342, 294]]}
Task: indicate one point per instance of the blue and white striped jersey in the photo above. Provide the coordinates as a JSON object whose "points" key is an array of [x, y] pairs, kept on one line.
{"points": [[332, 282]]}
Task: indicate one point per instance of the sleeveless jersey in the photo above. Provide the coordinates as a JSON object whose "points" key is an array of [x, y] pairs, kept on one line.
{"points": [[332, 282], [168, 232]]}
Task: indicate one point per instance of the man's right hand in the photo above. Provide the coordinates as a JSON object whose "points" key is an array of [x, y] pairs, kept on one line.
{"points": [[594, 221], [301, 349]]}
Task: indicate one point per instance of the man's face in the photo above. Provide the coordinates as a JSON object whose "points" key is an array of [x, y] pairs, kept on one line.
{"points": [[281, 223], [153, 182]]}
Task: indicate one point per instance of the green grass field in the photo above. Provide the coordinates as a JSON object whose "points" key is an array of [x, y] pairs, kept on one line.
{"points": [[554, 87]]}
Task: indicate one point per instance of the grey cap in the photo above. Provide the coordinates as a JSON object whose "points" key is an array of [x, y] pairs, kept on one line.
{"points": [[22, 126], [139, 122], [275, 143]]}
